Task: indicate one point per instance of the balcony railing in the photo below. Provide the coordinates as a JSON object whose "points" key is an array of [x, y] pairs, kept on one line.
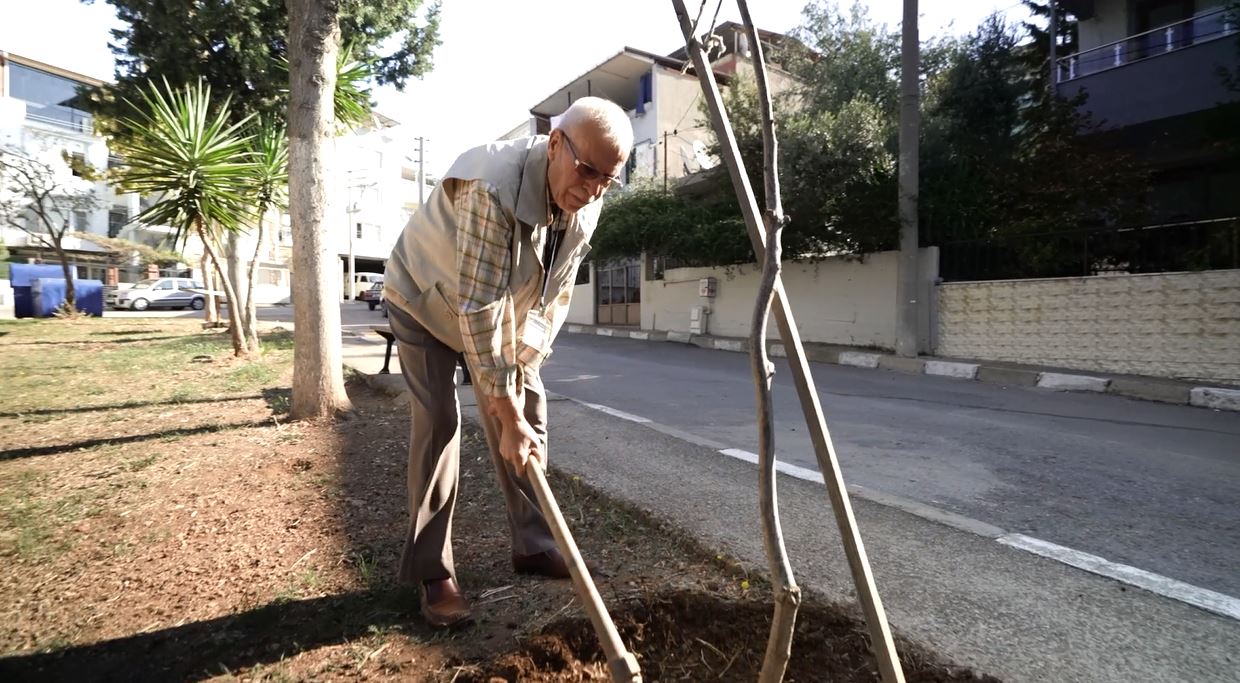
{"points": [[67, 118], [1202, 28]]}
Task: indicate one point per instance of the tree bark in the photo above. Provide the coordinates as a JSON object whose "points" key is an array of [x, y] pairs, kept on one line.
{"points": [[786, 592], [232, 257], [211, 313], [240, 347], [250, 323], [318, 378], [70, 291]]}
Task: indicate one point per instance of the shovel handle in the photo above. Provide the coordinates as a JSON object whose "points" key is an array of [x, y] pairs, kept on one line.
{"points": [[623, 664]]}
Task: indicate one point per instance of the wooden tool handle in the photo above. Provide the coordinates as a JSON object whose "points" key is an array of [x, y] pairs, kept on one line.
{"points": [[623, 665]]}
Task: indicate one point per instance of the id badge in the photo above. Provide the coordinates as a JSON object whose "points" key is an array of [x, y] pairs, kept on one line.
{"points": [[537, 331]]}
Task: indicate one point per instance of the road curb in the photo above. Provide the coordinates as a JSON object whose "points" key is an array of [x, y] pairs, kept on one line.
{"points": [[1156, 389]]}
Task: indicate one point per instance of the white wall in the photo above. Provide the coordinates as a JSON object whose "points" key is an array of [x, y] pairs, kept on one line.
{"points": [[6, 300], [1183, 325], [581, 310], [678, 105], [369, 175], [837, 300]]}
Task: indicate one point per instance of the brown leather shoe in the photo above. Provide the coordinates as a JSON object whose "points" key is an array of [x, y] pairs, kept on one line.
{"points": [[550, 564], [443, 604]]}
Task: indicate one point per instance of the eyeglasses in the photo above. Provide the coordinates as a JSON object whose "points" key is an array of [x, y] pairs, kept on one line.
{"points": [[586, 171]]}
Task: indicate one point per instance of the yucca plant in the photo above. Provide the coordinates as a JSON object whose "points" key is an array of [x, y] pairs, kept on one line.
{"points": [[186, 153], [268, 189], [351, 98]]}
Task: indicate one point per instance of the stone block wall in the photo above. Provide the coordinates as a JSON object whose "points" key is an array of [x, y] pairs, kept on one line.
{"points": [[1180, 325]]}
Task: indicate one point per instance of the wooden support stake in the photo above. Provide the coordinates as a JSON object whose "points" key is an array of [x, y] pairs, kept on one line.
{"points": [[859, 564], [623, 664]]}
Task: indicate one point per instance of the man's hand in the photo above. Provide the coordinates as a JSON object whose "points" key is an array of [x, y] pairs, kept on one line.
{"points": [[518, 442]]}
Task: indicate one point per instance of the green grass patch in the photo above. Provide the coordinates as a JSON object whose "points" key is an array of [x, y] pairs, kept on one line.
{"points": [[251, 376], [64, 364], [30, 518]]}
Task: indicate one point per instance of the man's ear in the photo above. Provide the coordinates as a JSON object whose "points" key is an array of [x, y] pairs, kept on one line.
{"points": [[554, 143]]}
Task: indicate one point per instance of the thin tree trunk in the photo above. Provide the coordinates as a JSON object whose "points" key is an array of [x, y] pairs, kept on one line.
{"points": [[881, 641], [318, 377], [240, 347], [232, 256], [251, 307], [787, 593], [211, 314], [70, 292]]}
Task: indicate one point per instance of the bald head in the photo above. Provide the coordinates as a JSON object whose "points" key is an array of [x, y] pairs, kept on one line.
{"points": [[600, 117], [586, 152]]}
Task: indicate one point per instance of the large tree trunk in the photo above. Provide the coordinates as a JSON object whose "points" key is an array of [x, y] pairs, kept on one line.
{"points": [[314, 41], [250, 322]]}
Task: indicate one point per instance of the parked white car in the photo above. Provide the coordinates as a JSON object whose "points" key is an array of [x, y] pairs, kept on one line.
{"points": [[164, 292], [362, 282]]}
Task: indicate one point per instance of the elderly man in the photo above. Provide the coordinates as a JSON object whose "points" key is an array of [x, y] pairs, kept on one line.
{"points": [[487, 268]]}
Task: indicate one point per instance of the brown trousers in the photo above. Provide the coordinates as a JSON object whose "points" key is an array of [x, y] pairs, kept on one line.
{"points": [[429, 368]]}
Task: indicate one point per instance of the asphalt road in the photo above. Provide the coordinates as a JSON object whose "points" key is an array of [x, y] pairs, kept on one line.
{"points": [[1149, 485]]}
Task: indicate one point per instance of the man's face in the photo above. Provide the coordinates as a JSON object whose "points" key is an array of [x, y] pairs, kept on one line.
{"points": [[581, 166]]}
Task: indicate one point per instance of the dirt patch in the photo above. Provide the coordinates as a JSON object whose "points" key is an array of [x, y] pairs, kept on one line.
{"points": [[700, 636], [160, 520]]}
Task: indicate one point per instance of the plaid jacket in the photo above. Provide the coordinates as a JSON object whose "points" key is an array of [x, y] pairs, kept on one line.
{"points": [[468, 265]]}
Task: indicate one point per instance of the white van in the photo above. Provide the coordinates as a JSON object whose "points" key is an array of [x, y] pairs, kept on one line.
{"points": [[361, 283]]}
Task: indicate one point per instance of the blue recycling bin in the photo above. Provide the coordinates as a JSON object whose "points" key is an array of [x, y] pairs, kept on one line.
{"points": [[48, 294], [21, 276]]}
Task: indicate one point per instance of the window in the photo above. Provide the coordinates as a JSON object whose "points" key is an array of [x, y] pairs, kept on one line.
{"points": [[165, 284], [114, 161], [79, 221], [117, 218], [77, 163], [583, 274], [50, 98]]}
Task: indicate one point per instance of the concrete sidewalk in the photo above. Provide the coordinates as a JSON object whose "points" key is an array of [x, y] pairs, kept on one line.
{"points": [[950, 586], [1202, 395]]}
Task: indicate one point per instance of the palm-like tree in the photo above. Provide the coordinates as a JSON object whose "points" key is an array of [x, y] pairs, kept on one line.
{"points": [[188, 154], [268, 188]]}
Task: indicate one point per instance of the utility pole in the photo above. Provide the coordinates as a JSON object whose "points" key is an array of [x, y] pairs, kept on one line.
{"points": [[665, 161], [421, 172], [910, 123], [350, 264], [1054, 31]]}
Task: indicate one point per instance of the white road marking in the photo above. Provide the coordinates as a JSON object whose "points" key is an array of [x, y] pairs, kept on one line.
{"points": [[576, 378], [1202, 598], [617, 413], [1218, 603]]}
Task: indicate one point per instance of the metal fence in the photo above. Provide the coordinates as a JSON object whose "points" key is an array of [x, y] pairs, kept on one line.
{"points": [[1166, 247]]}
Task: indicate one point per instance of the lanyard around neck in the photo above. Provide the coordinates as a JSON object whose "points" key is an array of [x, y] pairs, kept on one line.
{"points": [[554, 238]]}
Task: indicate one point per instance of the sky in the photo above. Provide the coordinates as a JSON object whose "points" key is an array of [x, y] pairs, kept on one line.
{"points": [[498, 57]]}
